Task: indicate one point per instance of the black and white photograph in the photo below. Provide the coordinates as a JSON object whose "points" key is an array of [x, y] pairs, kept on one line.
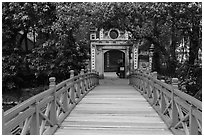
{"points": [[101, 68]]}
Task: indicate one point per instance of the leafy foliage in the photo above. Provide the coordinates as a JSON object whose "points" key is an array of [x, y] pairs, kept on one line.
{"points": [[56, 50], [62, 38], [190, 79]]}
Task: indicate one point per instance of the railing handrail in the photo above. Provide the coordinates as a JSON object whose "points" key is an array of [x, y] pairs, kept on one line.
{"points": [[179, 93], [35, 115], [25, 104], [181, 112]]}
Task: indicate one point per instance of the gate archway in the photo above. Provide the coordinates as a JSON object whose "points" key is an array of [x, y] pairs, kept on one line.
{"points": [[112, 59]]}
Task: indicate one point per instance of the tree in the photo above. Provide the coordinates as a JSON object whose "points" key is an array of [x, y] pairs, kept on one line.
{"points": [[59, 25], [18, 17]]}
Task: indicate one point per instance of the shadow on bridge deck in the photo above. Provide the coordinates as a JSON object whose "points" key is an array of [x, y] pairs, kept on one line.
{"points": [[113, 108]]}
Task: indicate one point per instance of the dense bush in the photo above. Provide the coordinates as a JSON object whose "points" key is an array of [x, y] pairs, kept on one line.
{"points": [[190, 79]]}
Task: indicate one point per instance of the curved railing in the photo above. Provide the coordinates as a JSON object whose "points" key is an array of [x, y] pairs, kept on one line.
{"points": [[182, 113], [43, 113]]}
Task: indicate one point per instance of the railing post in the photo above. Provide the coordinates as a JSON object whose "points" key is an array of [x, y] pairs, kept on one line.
{"points": [[71, 73], [52, 82], [88, 80], [88, 70], [130, 78], [193, 122], [3, 123], [163, 103], [151, 52], [175, 83], [53, 114], [93, 79], [72, 96], [175, 116], [137, 81], [97, 79], [82, 72], [82, 81], [35, 123], [148, 86], [66, 100], [154, 75], [77, 86], [163, 80]]}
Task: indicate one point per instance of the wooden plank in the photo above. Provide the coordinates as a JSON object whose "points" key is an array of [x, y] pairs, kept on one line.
{"points": [[114, 107], [115, 119], [111, 131], [112, 124]]}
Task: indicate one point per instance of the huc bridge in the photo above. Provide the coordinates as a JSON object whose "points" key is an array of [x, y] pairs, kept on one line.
{"points": [[83, 104]]}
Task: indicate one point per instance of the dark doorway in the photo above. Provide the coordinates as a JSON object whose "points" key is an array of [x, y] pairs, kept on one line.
{"points": [[111, 60]]}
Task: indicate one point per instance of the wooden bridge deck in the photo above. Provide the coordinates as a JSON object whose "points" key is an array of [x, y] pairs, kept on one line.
{"points": [[113, 107]]}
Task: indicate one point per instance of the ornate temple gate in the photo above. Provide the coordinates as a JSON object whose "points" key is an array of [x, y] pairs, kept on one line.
{"points": [[105, 44]]}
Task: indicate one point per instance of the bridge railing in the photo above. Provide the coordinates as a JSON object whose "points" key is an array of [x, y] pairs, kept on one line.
{"points": [[44, 112], [181, 112]]}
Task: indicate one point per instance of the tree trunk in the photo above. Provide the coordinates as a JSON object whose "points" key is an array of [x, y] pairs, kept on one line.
{"points": [[172, 60], [26, 41], [194, 44], [26, 50]]}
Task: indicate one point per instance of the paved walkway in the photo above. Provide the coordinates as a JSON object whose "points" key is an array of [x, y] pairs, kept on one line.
{"points": [[114, 108]]}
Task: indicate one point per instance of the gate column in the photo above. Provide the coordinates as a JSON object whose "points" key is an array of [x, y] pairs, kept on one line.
{"points": [[135, 56], [93, 57], [127, 67]]}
